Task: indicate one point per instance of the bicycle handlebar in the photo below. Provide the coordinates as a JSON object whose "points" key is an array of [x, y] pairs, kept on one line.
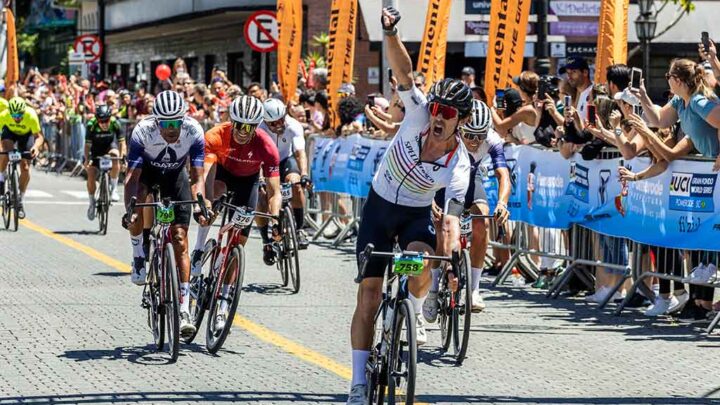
{"points": [[369, 252], [222, 202]]}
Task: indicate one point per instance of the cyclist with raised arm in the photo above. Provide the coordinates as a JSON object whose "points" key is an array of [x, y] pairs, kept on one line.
{"points": [[103, 137], [287, 133], [425, 155], [20, 130], [237, 151], [481, 142], [160, 145]]}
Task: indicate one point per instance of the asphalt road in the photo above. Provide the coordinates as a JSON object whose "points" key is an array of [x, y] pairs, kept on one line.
{"points": [[73, 331]]}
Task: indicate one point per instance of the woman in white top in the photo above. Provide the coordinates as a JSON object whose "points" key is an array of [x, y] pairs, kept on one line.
{"points": [[520, 117]]}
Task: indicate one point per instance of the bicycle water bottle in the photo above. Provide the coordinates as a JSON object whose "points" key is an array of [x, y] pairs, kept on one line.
{"points": [[517, 279]]}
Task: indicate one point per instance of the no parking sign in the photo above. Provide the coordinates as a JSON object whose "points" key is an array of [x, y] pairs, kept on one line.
{"points": [[261, 31], [89, 46]]}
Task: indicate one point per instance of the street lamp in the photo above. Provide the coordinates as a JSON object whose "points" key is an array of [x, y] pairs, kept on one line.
{"points": [[645, 26]]}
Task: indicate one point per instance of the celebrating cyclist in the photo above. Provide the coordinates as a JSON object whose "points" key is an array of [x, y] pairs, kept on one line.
{"points": [[425, 156], [287, 133], [160, 145], [481, 141], [104, 137], [237, 151], [21, 131]]}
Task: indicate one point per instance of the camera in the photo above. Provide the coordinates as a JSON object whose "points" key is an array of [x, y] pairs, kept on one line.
{"points": [[548, 85]]}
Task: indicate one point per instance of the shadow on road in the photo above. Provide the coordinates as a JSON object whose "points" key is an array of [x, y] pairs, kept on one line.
{"points": [[180, 397], [267, 289], [478, 399], [145, 355], [76, 232]]}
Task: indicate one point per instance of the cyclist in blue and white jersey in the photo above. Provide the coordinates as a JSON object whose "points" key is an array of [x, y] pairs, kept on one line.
{"points": [[159, 147], [482, 143], [425, 155]]}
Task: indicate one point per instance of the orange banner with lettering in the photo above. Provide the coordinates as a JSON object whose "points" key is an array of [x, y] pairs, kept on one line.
{"points": [[612, 36], [12, 74], [431, 60], [341, 51], [290, 18], [506, 43]]}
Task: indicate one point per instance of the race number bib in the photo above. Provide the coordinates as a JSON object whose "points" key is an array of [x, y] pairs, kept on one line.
{"points": [[105, 164], [408, 265], [242, 218], [286, 191], [465, 225], [14, 156], [165, 215]]}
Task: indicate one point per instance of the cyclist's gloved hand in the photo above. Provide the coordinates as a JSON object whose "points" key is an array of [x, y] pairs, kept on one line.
{"points": [[305, 180], [501, 214], [390, 17], [200, 218], [128, 220]]}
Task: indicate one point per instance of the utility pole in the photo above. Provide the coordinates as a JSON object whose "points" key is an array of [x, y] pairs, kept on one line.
{"points": [[101, 35], [542, 52]]}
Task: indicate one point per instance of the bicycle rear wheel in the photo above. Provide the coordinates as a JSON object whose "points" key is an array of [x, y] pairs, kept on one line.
{"points": [[403, 356], [462, 313], [235, 268], [201, 288], [376, 367], [172, 304], [156, 310], [291, 257], [283, 268], [445, 321]]}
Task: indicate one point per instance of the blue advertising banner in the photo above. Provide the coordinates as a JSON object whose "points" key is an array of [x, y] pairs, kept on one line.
{"points": [[675, 209]]}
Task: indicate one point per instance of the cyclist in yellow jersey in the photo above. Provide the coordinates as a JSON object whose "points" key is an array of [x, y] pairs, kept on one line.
{"points": [[20, 130]]}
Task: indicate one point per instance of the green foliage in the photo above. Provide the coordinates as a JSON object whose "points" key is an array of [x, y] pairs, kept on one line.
{"points": [[687, 5]]}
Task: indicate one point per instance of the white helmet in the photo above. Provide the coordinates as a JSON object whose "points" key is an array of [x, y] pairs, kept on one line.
{"points": [[169, 105], [274, 110], [480, 120], [246, 110]]}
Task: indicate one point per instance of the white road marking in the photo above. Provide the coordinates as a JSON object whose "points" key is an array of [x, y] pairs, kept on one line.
{"points": [[37, 194], [76, 194]]}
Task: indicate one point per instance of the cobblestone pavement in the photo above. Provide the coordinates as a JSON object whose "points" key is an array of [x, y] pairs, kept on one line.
{"points": [[73, 332]]}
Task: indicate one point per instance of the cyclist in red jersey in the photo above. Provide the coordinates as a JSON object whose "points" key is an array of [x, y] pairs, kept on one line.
{"points": [[235, 152]]}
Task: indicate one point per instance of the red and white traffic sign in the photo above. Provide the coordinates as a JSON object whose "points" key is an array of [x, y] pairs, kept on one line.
{"points": [[89, 46], [261, 31]]}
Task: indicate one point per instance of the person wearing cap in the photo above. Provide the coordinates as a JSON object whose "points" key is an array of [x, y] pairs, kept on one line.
{"points": [[578, 78], [468, 76], [346, 90]]}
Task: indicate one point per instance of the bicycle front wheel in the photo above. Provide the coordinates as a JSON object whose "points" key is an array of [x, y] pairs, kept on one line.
{"points": [[462, 313], [291, 257], [445, 315], [15, 202], [152, 295], [6, 209], [201, 287], [172, 304], [235, 270], [403, 356], [103, 204]]}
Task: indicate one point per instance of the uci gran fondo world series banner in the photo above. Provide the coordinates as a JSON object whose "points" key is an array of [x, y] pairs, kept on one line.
{"points": [[676, 209]]}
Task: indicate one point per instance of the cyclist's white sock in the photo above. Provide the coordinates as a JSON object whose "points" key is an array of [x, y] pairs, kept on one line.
{"points": [[91, 197], [417, 302], [476, 273], [436, 272], [137, 245], [113, 183], [201, 237], [359, 359], [185, 297], [224, 303]]}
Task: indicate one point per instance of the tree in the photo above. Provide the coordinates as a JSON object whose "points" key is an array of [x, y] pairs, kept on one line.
{"points": [[684, 7]]}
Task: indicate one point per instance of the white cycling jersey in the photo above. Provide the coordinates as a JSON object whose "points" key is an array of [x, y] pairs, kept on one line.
{"points": [[148, 148], [292, 139], [402, 178]]}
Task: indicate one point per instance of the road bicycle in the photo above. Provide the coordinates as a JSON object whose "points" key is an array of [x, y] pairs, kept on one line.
{"points": [[11, 198], [391, 368], [102, 198], [161, 292], [286, 250]]}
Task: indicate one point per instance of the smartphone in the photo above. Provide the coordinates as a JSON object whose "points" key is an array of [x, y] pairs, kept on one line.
{"points": [[307, 115], [371, 101], [567, 101], [706, 40], [591, 115], [500, 99], [637, 110], [389, 75], [635, 77], [541, 92]]}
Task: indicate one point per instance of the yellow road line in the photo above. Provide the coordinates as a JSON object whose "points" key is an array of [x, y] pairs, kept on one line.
{"points": [[257, 330]]}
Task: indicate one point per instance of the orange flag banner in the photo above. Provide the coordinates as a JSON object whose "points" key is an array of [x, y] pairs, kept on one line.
{"points": [[290, 17], [506, 43], [431, 61], [612, 36], [13, 67], [341, 50]]}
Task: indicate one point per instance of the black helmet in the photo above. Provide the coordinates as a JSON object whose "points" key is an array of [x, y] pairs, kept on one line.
{"points": [[103, 112], [453, 93]]}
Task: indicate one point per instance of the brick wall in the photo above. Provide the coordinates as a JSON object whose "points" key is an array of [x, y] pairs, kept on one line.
{"points": [[318, 19]]}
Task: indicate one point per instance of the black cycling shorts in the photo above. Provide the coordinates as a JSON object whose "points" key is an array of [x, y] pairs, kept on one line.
{"points": [[96, 152], [475, 192], [245, 190], [23, 143], [175, 186], [384, 222], [288, 166]]}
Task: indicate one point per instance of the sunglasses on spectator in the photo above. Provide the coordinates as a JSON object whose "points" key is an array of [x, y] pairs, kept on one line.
{"points": [[170, 124], [17, 116], [244, 127], [447, 112]]}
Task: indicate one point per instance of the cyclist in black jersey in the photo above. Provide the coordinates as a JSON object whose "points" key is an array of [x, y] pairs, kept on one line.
{"points": [[103, 137]]}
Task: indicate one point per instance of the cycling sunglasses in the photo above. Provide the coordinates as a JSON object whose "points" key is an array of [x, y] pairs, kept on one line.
{"points": [[244, 127], [471, 136], [17, 116], [104, 120], [170, 124], [447, 112]]}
